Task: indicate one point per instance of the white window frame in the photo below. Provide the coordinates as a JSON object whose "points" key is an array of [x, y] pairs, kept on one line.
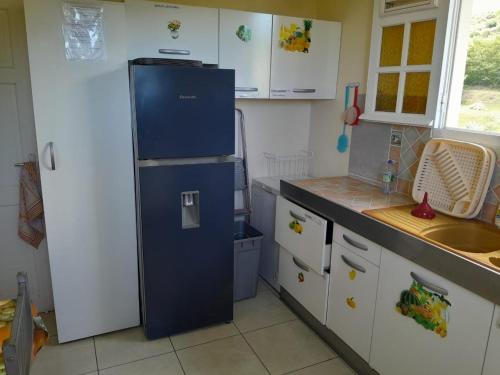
{"points": [[451, 86], [440, 14]]}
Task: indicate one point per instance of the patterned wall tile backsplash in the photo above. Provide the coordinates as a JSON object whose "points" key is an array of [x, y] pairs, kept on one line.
{"points": [[405, 145]]}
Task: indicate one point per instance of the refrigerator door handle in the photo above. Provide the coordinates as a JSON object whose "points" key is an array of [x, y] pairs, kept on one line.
{"points": [[173, 51]]}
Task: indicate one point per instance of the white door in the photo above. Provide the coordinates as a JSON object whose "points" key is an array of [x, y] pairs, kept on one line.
{"points": [[245, 45], [492, 362], [172, 31], [17, 142], [351, 299], [424, 337], [83, 110], [305, 58]]}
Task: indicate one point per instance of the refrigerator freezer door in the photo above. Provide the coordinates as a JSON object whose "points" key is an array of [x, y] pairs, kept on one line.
{"points": [[187, 273], [183, 112]]}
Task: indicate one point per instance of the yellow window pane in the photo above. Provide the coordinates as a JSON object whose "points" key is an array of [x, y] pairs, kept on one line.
{"points": [[416, 91], [421, 42], [392, 45], [387, 92]]}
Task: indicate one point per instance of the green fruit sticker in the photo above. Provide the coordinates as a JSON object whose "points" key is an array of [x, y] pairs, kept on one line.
{"points": [[296, 226], [244, 33]]}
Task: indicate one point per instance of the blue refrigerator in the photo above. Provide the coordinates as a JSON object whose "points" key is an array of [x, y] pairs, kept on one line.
{"points": [[184, 133]]}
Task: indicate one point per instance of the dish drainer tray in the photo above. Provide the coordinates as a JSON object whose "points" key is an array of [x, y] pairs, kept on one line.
{"points": [[456, 175]]}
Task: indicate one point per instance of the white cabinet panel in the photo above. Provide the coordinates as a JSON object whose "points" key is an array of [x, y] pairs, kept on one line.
{"points": [[89, 200], [306, 286], [303, 234], [401, 345], [245, 45], [305, 57], [351, 301], [492, 363], [357, 244], [171, 31]]}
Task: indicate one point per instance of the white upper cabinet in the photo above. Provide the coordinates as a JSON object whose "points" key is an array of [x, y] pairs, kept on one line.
{"points": [[492, 363], [305, 57], [406, 56], [172, 31], [245, 45]]}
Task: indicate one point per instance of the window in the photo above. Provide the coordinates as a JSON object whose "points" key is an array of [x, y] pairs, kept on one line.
{"points": [[472, 68], [405, 64]]}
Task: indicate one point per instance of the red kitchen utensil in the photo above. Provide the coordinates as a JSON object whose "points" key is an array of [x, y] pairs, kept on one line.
{"points": [[353, 113], [424, 210]]}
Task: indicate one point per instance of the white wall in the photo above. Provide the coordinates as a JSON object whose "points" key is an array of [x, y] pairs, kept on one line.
{"points": [[275, 126]]}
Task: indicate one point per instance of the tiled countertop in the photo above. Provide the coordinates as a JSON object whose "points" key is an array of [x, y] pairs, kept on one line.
{"points": [[352, 193]]}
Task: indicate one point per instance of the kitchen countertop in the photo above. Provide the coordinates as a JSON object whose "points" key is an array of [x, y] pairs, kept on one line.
{"points": [[342, 200]]}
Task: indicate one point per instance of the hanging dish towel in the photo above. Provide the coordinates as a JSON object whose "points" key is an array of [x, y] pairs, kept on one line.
{"points": [[30, 228]]}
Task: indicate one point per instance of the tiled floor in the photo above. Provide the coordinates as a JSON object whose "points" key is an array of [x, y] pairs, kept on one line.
{"points": [[265, 338]]}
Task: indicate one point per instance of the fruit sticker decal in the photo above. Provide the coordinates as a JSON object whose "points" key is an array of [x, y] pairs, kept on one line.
{"points": [[350, 302], [352, 275], [244, 33], [174, 27], [296, 38], [296, 226], [300, 277], [428, 309]]}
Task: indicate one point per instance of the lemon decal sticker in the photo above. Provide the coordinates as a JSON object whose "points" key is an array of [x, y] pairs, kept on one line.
{"points": [[350, 302], [352, 275], [296, 226]]}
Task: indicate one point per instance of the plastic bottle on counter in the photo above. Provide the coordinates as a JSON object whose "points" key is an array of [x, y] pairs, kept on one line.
{"points": [[389, 177], [497, 218]]}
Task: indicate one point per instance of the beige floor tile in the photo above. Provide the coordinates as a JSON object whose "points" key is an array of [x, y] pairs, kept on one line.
{"points": [[204, 335], [333, 367], [166, 364], [130, 345], [262, 311], [262, 286], [72, 358], [49, 319], [288, 347], [227, 356]]}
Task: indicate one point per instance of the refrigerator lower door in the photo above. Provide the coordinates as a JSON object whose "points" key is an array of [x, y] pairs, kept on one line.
{"points": [[187, 246]]}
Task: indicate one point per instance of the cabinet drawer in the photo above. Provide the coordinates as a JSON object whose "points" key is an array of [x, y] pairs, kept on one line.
{"points": [[356, 243], [351, 302], [305, 285], [303, 234], [436, 340], [171, 31]]}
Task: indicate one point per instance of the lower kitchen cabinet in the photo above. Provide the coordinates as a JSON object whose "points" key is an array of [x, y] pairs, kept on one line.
{"points": [[425, 324], [492, 362], [351, 302]]}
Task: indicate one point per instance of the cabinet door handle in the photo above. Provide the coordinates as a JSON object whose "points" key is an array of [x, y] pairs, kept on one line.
{"points": [[428, 285], [172, 51], [52, 156], [281, 90], [301, 265], [246, 89], [297, 217], [304, 91], [354, 243], [351, 264]]}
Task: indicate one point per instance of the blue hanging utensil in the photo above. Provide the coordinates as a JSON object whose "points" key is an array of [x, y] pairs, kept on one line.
{"points": [[343, 141]]}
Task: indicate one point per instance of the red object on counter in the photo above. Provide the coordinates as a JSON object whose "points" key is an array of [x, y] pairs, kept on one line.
{"points": [[424, 210]]}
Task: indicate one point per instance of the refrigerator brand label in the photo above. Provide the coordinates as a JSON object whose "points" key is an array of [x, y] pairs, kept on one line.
{"points": [[188, 97]]}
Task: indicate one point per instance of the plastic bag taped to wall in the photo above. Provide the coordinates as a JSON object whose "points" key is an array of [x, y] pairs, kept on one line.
{"points": [[83, 32]]}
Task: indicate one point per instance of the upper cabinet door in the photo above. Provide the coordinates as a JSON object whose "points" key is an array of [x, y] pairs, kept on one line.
{"points": [[172, 31], [305, 57], [245, 45]]}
